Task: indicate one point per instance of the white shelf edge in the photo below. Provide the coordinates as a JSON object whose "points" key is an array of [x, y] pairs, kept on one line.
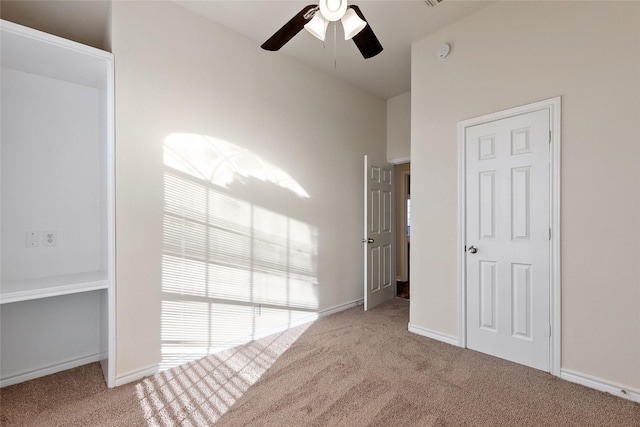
{"points": [[51, 39], [25, 290]]}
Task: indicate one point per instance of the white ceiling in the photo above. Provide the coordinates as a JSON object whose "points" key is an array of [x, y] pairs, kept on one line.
{"points": [[397, 24]]}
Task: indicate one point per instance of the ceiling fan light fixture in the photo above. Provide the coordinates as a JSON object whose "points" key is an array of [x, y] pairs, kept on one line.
{"points": [[333, 10], [317, 23], [317, 26], [352, 24]]}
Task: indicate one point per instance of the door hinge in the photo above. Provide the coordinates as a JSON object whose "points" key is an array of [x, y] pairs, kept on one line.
{"points": [[549, 233], [549, 331], [549, 137]]}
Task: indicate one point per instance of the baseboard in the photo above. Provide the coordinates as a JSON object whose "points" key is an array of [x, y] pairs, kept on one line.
{"points": [[602, 385], [596, 383], [49, 369], [311, 317], [136, 375], [434, 335], [153, 369], [339, 308]]}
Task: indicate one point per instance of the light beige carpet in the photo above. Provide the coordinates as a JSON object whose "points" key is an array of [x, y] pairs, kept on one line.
{"points": [[349, 369]]}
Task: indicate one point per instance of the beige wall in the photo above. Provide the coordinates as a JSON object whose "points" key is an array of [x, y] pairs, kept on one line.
{"points": [[515, 53], [179, 73], [399, 128], [399, 153]]}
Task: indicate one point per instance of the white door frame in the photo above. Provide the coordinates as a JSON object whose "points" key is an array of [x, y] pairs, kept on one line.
{"points": [[553, 105]]}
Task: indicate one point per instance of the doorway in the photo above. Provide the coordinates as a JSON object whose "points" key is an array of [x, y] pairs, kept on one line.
{"points": [[403, 227], [509, 234]]}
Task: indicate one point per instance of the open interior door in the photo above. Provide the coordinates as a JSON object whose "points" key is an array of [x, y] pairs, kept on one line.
{"points": [[379, 251]]}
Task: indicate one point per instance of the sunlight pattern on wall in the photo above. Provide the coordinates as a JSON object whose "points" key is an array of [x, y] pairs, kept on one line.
{"points": [[232, 271], [222, 163]]}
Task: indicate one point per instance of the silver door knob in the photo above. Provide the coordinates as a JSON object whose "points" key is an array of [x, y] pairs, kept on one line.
{"points": [[473, 249], [369, 240]]}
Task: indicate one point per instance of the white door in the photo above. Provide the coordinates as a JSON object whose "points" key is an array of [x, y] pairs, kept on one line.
{"points": [[379, 258], [508, 238]]}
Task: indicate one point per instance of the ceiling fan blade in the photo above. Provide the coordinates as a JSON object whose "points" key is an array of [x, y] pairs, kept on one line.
{"points": [[366, 40], [288, 30]]}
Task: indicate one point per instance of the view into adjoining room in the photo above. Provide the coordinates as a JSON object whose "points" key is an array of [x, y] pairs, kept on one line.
{"points": [[403, 228]]}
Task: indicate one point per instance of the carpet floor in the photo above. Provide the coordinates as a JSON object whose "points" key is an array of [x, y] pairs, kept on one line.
{"points": [[353, 368]]}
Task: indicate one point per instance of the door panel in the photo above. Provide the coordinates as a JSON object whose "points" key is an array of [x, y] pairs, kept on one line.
{"points": [[488, 295], [521, 307], [379, 256], [507, 220]]}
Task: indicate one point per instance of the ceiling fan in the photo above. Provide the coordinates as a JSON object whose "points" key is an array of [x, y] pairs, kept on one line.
{"points": [[316, 19]]}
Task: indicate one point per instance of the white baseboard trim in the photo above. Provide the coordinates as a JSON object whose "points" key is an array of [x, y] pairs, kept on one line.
{"points": [[602, 385], [341, 307], [311, 317], [153, 369], [434, 335], [49, 369], [136, 375]]}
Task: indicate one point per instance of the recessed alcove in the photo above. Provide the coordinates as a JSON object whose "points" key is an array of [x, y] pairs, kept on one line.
{"points": [[57, 275]]}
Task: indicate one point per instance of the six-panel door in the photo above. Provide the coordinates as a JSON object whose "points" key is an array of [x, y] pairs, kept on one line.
{"points": [[507, 220]]}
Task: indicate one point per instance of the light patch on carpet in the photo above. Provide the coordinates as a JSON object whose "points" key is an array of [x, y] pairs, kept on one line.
{"points": [[200, 392]]}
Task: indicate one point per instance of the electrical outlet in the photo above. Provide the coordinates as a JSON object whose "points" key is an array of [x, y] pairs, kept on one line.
{"points": [[31, 239], [49, 238]]}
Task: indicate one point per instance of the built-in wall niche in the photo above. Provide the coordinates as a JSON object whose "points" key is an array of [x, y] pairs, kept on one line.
{"points": [[56, 205]]}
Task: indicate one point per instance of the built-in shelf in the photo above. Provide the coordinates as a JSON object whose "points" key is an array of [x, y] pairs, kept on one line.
{"points": [[57, 175], [45, 287]]}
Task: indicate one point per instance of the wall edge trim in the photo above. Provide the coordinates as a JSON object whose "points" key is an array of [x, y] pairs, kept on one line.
{"points": [[399, 160], [136, 374], [50, 369], [599, 384], [149, 370], [438, 336]]}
